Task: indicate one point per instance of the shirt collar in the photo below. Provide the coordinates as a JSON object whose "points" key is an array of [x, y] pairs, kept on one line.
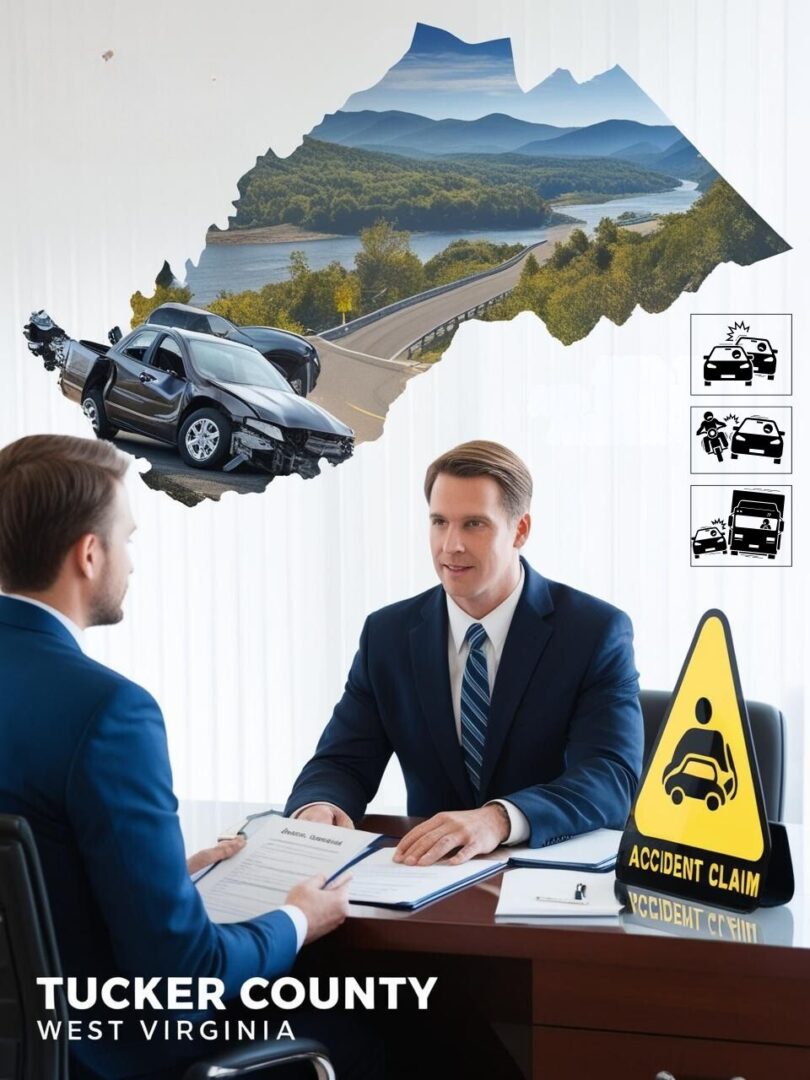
{"points": [[496, 623], [69, 624]]}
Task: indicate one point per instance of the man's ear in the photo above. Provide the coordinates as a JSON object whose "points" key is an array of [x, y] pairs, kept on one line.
{"points": [[522, 529], [86, 554]]}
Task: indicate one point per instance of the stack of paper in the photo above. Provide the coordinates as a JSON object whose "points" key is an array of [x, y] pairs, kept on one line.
{"points": [[594, 851], [380, 881], [557, 894]]}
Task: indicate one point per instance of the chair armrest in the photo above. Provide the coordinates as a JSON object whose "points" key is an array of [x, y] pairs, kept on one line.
{"points": [[255, 1057]]}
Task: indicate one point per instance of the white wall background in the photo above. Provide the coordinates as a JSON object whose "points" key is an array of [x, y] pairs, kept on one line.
{"points": [[243, 615]]}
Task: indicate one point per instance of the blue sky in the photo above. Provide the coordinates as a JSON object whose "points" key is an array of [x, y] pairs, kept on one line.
{"points": [[441, 76]]}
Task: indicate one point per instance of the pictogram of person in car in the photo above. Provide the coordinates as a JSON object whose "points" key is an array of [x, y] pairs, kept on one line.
{"points": [[702, 766]]}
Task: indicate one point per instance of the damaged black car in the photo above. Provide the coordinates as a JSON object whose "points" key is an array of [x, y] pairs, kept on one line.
{"points": [[296, 358], [219, 402]]}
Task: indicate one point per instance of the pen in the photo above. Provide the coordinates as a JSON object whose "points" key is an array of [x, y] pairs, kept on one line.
{"points": [[563, 900], [579, 897]]}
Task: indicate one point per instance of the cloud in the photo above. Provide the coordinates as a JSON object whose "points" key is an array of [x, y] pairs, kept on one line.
{"points": [[448, 71]]}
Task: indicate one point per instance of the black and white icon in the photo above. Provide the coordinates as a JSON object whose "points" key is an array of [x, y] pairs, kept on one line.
{"points": [[730, 439], [731, 524], [741, 354], [702, 765]]}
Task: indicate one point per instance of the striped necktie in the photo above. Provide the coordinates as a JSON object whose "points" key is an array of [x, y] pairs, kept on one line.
{"points": [[474, 703]]}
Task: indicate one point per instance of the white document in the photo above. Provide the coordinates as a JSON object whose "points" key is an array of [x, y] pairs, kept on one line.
{"points": [[589, 849], [553, 894], [279, 853], [379, 880]]}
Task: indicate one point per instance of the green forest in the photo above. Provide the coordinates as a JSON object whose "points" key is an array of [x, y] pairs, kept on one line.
{"points": [[327, 187], [613, 271], [386, 270]]}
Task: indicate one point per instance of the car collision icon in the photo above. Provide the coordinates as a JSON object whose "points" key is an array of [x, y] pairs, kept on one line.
{"points": [[702, 766]]}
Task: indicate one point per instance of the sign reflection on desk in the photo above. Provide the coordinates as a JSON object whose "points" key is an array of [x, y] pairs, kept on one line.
{"points": [[652, 911]]}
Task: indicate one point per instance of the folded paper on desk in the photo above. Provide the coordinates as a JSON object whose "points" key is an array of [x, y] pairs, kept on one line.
{"points": [[594, 851], [557, 894], [380, 881], [280, 853]]}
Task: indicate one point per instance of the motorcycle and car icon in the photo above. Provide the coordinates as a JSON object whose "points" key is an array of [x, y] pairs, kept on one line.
{"points": [[753, 436]]}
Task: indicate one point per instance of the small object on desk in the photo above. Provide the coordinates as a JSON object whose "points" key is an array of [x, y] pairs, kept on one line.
{"points": [[595, 851], [550, 893]]}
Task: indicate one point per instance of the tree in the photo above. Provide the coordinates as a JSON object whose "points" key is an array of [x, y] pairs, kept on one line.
{"points": [[386, 267], [530, 267], [347, 296], [142, 305]]}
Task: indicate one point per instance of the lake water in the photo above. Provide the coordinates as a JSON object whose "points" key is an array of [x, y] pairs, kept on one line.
{"points": [[235, 267]]}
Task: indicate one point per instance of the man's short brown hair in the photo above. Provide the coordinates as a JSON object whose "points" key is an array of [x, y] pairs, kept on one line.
{"points": [[54, 489], [483, 458]]}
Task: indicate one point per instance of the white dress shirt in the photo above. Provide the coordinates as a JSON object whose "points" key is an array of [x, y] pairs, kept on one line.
{"points": [[496, 624], [296, 915]]}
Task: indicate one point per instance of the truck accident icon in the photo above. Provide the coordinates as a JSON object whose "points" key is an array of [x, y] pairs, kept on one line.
{"points": [[698, 827]]}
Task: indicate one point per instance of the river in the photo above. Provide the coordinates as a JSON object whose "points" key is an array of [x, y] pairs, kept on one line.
{"points": [[236, 267]]}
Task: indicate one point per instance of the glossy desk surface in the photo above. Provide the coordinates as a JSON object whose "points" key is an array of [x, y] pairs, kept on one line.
{"points": [[465, 922]]}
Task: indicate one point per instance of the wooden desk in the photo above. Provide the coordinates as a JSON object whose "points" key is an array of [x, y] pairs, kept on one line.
{"points": [[702, 994], [627, 1001]]}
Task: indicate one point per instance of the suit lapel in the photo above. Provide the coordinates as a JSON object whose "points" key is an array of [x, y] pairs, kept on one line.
{"points": [[528, 636], [428, 642]]}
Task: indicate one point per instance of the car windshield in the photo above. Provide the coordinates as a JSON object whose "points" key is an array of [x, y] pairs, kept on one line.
{"points": [[727, 352], [754, 426], [751, 343], [223, 362]]}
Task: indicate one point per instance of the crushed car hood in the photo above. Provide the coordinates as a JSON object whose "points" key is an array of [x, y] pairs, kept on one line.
{"points": [[267, 337], [287, 409]]}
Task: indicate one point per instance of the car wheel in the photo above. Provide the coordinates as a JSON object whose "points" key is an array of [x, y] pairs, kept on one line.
{"points": [[712, 803], [677, 795], [204, 441], [749, 382], [770, 378], [93, 409], [734, 457], [777, 461]]}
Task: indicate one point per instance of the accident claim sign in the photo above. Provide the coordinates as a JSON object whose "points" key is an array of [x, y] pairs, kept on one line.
{"points": [[698, 827]]}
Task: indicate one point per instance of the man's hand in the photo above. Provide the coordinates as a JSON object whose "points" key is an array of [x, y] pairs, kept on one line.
{"points": [[325, 814], [325, 908], [473, 832], [223, 850]]}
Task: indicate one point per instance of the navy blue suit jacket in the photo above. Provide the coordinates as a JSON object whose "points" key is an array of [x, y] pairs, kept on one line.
{"points": [[83, 757], [564, 740]]}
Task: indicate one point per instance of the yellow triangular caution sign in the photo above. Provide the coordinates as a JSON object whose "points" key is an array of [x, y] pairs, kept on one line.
{"points": [[698, 826], [699, 789]]}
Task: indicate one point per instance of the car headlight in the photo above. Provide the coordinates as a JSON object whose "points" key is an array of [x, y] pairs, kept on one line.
{"points": [[775, 442], [266, 428], [708, 364], [740, 438]]}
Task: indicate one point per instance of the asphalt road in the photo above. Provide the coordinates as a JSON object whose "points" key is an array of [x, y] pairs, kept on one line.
{"points": [[362, 374], [367, 369], [190, 486]]}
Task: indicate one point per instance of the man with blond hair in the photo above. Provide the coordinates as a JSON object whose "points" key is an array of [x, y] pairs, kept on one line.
{"points": [[511, 701]]}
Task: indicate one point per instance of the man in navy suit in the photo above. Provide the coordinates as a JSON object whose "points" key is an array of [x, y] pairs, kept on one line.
{"points": [[83, 757], [510, 701]]}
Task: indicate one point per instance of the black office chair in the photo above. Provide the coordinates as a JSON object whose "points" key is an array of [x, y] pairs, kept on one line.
{"points": [[28, 952], [767, 731]]}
